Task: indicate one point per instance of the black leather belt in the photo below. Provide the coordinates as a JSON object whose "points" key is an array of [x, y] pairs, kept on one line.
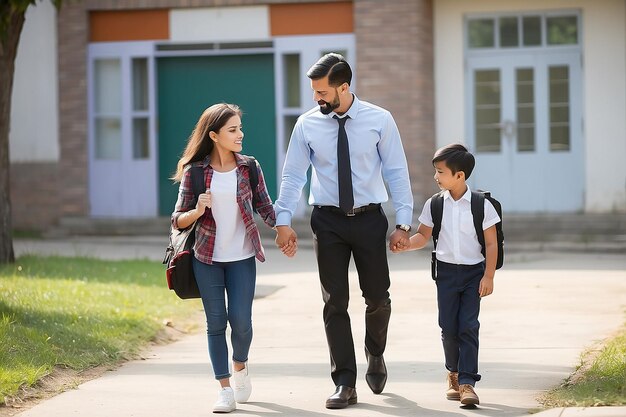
{"points": [[353, 212]]}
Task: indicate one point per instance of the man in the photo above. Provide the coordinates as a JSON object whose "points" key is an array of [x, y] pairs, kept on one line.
{"points": [[347, 189]]}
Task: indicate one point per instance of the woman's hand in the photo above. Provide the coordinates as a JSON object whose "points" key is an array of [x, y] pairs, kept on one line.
{"points": [[204, 202]]}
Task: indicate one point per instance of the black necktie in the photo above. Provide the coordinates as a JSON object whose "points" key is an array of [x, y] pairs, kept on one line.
{"points": [[344, 172]]}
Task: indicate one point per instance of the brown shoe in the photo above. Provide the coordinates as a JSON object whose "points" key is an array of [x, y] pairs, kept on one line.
{"points": [[453, 386], [468, 396]]}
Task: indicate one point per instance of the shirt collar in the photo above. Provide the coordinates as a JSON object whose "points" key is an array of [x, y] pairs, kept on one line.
{"points": [[467, 196]]}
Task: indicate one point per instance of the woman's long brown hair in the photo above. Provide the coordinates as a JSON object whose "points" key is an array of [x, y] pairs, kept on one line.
{"points": [[199, 144]]}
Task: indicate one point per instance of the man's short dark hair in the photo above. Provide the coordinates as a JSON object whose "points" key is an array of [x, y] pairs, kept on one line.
{"points": [[335, 66], [457, 158]]}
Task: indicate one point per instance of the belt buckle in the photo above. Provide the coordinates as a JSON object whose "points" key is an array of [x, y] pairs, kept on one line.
{"points": [[351, 213]]}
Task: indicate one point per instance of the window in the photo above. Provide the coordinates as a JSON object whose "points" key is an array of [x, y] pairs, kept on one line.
{"points": [[558, 77], [562, 30], [140, 116], [291, 75], [525, 97], [524, 31], [487, 110], [481, 33], [108, 108]]}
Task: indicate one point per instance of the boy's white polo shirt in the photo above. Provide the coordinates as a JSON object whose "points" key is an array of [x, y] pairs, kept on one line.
{"points": [[458, 242]]}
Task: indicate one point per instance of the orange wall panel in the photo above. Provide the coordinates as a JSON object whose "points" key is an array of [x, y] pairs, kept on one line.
{"points": [[311, 18], [128, 25]]}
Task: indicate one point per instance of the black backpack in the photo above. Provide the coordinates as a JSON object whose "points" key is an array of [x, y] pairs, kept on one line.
{"points": [[478, 213]]}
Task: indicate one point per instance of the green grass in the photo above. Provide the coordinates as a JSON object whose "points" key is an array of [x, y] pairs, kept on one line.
{"points": [[600, 380], [78, 313]]}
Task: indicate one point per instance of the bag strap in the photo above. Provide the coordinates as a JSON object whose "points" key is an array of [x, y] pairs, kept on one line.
{"points": [[198, 185], [478, 214], [436, 212], [254, 179]]}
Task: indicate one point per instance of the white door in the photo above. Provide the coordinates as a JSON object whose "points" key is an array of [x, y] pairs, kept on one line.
{"points": [[525, 127], [122, 151]]}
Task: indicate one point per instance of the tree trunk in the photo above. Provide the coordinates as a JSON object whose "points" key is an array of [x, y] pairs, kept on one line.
{"points": [[8, 50]]}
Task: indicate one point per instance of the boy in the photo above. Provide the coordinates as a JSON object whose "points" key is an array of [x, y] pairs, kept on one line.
{"points": [[463, 274]]}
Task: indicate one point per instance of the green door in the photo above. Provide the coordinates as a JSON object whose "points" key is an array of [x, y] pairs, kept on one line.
{"points": [[187, 86]]}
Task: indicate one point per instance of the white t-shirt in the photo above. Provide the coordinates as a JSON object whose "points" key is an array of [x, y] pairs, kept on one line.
{"points": [[458, 242], [231, 242]]}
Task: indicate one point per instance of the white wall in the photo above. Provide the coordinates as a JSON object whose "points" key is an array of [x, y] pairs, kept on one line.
{"points": [[220, 24], [604, 86], [34, 135]]}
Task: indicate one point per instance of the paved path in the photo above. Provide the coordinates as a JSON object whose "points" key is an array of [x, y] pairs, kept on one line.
{"points": [[546, 309]]}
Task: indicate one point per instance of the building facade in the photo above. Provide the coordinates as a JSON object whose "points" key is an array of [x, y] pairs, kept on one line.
{"points": [[536, 89]]}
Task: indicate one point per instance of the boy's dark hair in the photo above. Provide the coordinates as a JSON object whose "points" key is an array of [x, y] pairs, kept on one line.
{"points": [[457, 158], [335, 66]]}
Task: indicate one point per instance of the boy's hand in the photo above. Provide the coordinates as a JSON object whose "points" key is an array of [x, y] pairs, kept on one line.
{"points": [[486, 286]]}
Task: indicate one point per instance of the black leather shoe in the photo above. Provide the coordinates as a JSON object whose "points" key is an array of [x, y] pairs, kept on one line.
{"points": [[343, 397], [376, 375]]}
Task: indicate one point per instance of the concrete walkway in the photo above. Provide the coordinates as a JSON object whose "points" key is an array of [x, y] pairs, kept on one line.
{"points": [[546, 309]]}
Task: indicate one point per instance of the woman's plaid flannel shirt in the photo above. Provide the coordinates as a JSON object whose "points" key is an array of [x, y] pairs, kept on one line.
{"points": [[205, 226]]}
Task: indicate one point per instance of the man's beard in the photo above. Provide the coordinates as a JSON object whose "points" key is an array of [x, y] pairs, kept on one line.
{"points": [[326, 107]]}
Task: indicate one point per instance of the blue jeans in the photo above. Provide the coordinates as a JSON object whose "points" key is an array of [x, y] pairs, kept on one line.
{"points": [[237, 280], [459, 304]]}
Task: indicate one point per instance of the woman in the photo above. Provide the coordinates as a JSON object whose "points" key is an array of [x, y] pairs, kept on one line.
{"points": [[227, 241]]}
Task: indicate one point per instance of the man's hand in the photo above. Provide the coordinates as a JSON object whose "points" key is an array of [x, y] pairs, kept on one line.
{"points": [[287, 240], [399, 241]]}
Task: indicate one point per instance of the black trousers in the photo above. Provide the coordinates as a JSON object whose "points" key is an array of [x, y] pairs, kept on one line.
{"points": [[337, 238]]}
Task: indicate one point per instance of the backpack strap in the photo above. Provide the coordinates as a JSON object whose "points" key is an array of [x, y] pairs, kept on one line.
{"points": [[436, 212], [198, 185], [254, 179], [478, 214]]}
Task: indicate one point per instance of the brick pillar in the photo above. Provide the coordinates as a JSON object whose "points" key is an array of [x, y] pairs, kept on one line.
{"points": [[394, 41], [72, 26]]}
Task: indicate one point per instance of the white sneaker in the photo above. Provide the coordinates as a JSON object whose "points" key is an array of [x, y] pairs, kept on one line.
{"points": [[243, 386], [225, 401]]}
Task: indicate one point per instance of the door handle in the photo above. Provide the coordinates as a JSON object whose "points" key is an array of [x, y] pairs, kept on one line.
{"points": [[507, 128]]}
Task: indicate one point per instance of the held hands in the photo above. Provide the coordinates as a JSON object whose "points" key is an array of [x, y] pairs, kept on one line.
{"points": [[204, 202], [287, 240], [399, 241]]}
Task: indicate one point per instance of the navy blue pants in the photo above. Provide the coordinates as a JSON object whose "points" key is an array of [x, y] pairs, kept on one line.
{"points": [[459, 304]]}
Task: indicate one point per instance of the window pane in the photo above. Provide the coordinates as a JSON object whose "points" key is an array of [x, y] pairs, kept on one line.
{"points": [[559, 108], [562, 30], [140, 84], [525, 139], [508, 32], [525, 89], [481, 33], [291, 72], [532, 30], [289, 123], [108, 86], [108, 138], [141, 142], [487, 110]]}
